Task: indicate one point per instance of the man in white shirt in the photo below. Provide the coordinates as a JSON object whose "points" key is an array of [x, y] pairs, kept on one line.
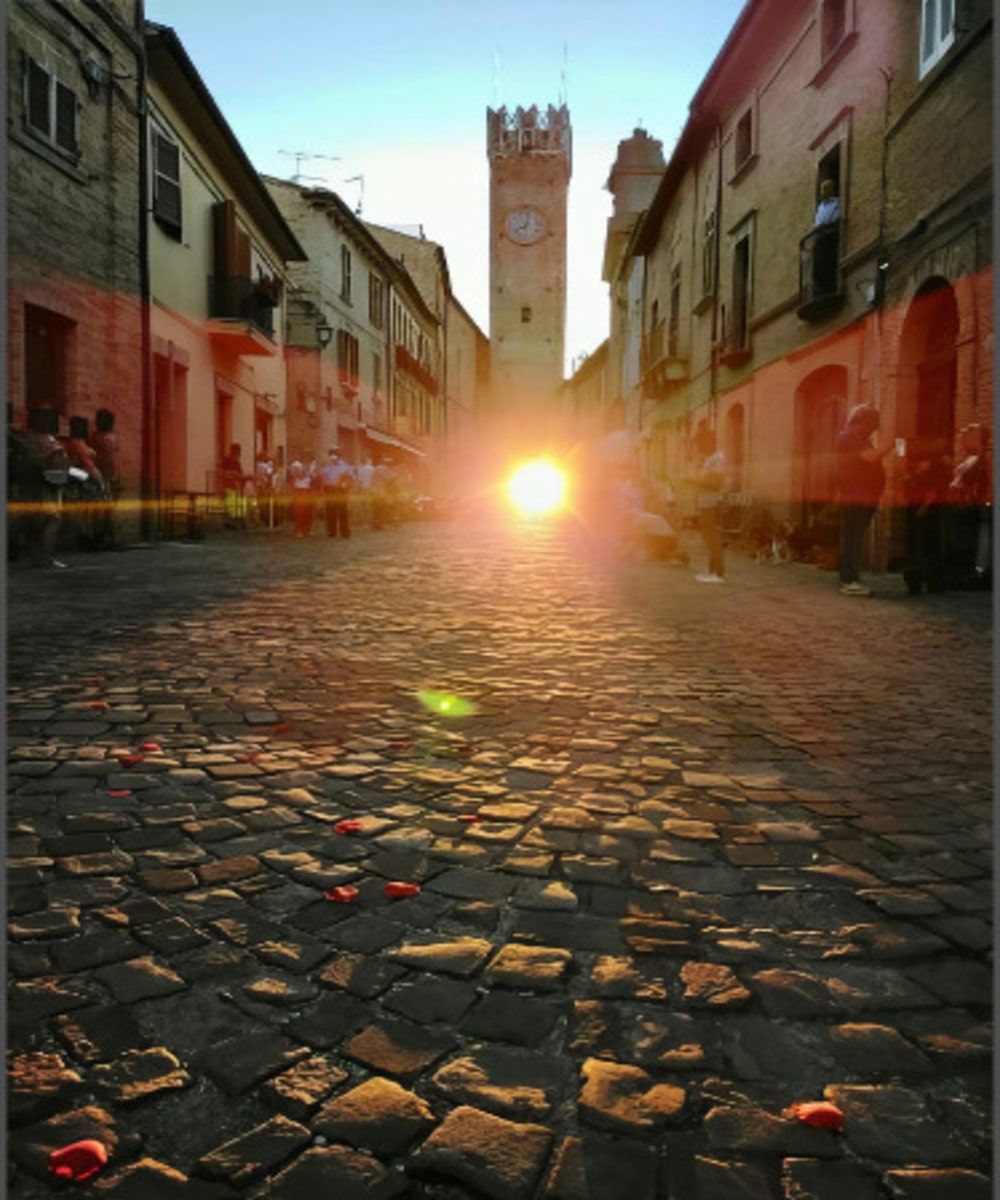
{"points": [[337, 479]]}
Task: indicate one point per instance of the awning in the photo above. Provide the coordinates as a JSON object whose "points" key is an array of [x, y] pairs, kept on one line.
{"points": [[386, 439]]}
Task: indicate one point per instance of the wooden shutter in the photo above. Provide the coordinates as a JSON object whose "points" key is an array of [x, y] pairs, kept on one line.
{"points": [[224, 237]]}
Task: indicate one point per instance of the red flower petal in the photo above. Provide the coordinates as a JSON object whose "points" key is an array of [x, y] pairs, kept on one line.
{"points": [[78, 1161], [284, 727], [130, 760], [99, 705], [119, 793], [469, 818], [397, 889], [350, 826], [820, 1113], [150, 747], [344, 894]]}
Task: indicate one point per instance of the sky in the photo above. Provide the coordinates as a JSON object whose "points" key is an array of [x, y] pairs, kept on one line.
{"points": [[397, 92]]}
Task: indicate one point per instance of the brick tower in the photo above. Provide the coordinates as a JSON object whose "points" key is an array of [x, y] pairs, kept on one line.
{"points": [[530, 165]]}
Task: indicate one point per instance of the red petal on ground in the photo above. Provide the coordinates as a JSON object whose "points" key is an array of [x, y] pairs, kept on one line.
{"points": [[119, 793], [284, 727], [351, 826], [251, 757], [150, 747], [469, 818], [820, 1113], [100, 705], [78, 1161], [130, 760], [397, 889], [344, 894]]}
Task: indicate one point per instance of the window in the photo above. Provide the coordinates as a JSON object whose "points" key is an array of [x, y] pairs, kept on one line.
{"points": [[744, 138], [345, 274], [526, 315], [708, 255], [347, 360], [167, 183], [833, 26], [673, 323], [739, 331], [376, 373], [376, 303], [937, 32], [50, 108]]}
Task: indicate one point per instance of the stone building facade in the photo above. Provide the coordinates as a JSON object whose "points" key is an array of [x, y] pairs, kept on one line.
{"points": [[74, 243], [754, 315]]}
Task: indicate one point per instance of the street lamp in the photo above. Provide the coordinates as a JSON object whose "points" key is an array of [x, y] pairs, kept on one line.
{"points": [[324, 333]]}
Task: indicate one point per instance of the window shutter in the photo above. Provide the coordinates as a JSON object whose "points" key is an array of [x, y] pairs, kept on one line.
{"points": [[66, 118], [224, 238], [39, 116], [242, 254]]}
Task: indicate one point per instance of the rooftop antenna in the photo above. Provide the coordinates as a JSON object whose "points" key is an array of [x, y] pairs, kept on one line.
{"points": [[359, 179], [299, 156], [563, 98]]}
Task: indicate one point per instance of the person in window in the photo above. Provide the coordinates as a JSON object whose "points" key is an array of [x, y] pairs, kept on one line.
{"points": [[826, 246], [860, 483]]}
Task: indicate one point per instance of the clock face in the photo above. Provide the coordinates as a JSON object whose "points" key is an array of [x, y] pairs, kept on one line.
{"points": [[525, 225]]}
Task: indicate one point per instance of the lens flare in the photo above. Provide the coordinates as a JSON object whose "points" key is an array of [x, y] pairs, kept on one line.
{"points": [[446, 704], [537, 488]]}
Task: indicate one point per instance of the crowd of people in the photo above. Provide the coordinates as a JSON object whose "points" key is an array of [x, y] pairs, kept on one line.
{"points": [[334, 490]]}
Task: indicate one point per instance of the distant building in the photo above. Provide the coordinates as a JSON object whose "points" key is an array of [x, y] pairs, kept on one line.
{"points": [[530, 155], [584, 399], [218, 249], [74, 229]]}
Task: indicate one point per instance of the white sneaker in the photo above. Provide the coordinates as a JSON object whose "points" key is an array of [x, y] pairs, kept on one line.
{"points": [[708, 577], [855, 589]]}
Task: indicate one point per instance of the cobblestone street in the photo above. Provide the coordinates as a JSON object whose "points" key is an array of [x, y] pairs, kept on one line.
{"points": [[697, 855]]}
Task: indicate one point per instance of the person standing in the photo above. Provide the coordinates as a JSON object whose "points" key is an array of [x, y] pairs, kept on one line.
{"points": [[337, 480], [301, 497], [860, 483], [105, 446], [710, 483]]}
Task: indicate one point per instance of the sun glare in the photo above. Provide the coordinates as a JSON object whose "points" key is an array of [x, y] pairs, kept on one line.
{"points": [[537, 488]]}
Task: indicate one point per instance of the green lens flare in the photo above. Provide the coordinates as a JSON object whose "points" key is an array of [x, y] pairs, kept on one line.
{"points": [[446, 704]]}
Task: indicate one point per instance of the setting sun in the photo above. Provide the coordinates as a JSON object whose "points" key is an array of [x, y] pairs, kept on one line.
{"points": [[537, 488]]}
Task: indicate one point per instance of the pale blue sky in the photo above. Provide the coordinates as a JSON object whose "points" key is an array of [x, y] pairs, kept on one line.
{"points": [[398, 90]]}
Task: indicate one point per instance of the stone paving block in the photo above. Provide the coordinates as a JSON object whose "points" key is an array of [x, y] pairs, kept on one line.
{"points": [[365, 934], [821, 1179], [149, 1179], [360, 975], [31, 1146], [512, 1083], [337, 1171], [712, 985], [255, 1153], [593, 1167], [236, 1064], [36, 999], [53, 923], [572, 931], [467, 883], [871, 1051], [746, 1130], [892, 1124], [398, 1047], [378, 1115], [328, 1021], [139, 1074], [139, 979], [38, 1083], [300, 1090], [716, 1179], [95, 950], [429, 999], [460, 957], [958, 981], [509, 1017], [99, 1034], [920, 1184], [502, 1159], [624, 1099], [535, 968]]}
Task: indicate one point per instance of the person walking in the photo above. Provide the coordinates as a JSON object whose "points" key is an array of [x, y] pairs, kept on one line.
{"points": [[860, 483], [710, 484], [337, 480]]}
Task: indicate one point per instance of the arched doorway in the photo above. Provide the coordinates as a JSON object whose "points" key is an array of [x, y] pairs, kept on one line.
{"points": [[820, 412], [925, 409]]}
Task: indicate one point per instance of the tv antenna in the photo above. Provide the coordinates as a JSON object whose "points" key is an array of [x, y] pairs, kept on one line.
{"points": [[359, 179], [300, 156]]}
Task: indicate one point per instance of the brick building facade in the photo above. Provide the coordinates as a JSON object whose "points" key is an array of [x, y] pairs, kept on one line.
{"points": [[74, 245]]}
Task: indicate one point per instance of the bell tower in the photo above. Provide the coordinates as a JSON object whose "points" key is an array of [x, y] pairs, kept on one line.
{"points": [[530, 165]]}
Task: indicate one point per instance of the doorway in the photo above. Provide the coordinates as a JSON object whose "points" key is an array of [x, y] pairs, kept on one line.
{"points": [[820, 412]]}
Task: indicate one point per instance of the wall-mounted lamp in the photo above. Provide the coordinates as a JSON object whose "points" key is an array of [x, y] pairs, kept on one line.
{"points": [[324, 333]]}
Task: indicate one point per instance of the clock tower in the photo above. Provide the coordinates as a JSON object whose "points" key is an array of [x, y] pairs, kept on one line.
{"points": [[530, 164]]}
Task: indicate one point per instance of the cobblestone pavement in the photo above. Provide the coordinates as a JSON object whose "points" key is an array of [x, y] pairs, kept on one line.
{"points": [[699, 854]]}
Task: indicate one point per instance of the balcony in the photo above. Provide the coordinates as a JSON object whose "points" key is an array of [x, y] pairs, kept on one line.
{"points": [[241, 314], [660, 365], [406, 362], [821, 284]]}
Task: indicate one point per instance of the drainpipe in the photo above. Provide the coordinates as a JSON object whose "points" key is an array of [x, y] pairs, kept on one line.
{"points": [[147, 524], [880, 265], [717, 255]]}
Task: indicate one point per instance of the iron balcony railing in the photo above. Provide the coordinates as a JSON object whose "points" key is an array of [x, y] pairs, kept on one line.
{"points": [[233, 298], [821, 287]]}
